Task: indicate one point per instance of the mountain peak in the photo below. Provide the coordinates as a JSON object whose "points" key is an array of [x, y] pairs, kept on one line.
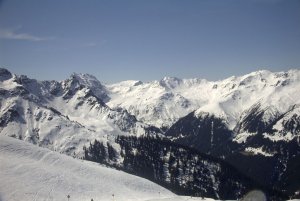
{"points": [[170, 82], [84, 78], [79, 80], [259, 73], [5, 74]]}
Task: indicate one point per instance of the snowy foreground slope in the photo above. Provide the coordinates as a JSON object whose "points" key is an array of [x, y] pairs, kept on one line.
{"points": [[30, 173]]}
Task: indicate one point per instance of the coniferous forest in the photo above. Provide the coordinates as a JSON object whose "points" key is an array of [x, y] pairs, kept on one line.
{"points": [[182, 169]]}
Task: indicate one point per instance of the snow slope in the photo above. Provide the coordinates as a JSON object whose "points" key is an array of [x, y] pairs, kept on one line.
{"points": [[31, 173]]}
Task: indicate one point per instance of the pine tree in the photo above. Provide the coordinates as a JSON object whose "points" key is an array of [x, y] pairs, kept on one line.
{"points": [[111, 152]]}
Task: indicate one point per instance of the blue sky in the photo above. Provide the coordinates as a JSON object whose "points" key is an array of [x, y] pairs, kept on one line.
{"points": [[148, 39]]}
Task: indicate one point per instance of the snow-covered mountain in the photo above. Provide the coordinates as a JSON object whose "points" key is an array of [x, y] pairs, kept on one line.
{"points": [[162, 103], [251, 121], [262, 141], [62, 116], [252, 118], [130, 107], [243, 106]]}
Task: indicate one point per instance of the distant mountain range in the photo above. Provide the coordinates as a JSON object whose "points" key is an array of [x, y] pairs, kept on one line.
{"points": [[250, 123]]}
